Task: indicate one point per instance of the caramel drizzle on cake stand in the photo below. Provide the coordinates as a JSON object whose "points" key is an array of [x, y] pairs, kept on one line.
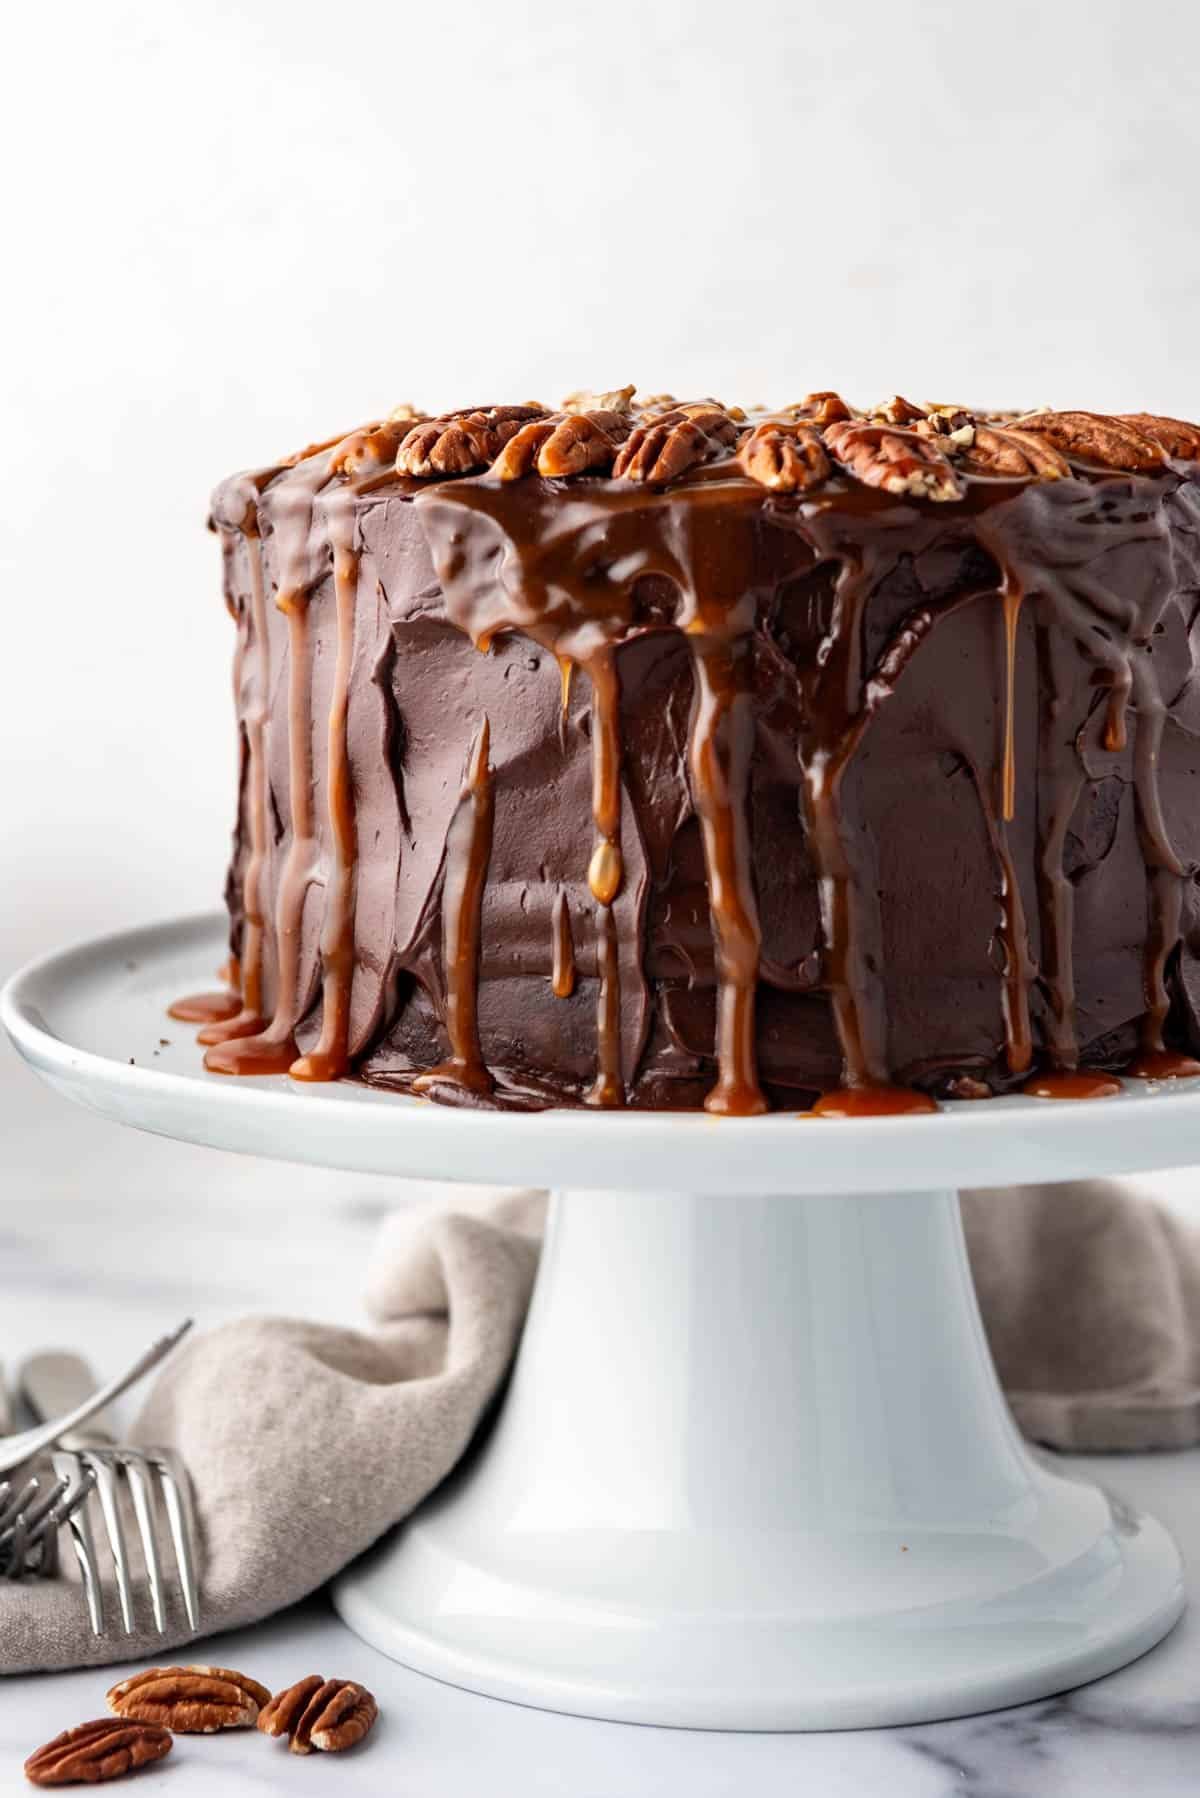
{"points": [[698, 535]]}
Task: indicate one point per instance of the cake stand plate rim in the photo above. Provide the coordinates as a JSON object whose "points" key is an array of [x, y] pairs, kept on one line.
{"points": [[76, 1014]]}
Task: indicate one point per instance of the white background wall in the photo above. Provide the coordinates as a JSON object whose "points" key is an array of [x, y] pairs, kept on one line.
{"points": [[231, 227]]}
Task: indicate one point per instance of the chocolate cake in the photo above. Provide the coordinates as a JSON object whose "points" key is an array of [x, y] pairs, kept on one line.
{"points": [[659, 754]]}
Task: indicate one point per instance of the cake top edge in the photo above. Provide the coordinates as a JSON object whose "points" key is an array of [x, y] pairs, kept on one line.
{"points": [[927, 451]]}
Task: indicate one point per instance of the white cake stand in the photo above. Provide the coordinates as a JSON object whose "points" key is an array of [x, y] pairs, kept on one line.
{"points": [[753, 1469]]}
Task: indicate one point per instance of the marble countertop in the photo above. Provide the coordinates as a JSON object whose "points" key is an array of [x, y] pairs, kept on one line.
{"points": [[107, 1237]]}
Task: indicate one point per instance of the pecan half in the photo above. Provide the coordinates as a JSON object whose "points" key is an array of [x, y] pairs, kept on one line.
{"points": [[896, 461], [371, 448], [280, 1715], [566, 443], [462, 442], [190, 1700], [664, 446], [787, 458], [820, 409], [1094, 437], [107, 1748], [1174, 435], [1018, 455], [325, 1714]]}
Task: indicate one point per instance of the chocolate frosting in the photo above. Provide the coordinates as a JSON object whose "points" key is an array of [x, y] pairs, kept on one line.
{"points": [[745, 760]]}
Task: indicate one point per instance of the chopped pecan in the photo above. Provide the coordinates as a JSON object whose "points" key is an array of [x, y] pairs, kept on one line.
{"points": [[462, 442], [325, 1714], [564, 444], [1094, 437], [897, 411], [1174, 435], [820, 409], [1017, 455], [897, 461], [668, 444], [786, 457], [190, 1700], [620, 400], [107, 1748], [954, 426]]}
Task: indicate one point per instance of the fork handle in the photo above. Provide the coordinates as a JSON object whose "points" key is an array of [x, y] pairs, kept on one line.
{"points": [[55, 1382]]}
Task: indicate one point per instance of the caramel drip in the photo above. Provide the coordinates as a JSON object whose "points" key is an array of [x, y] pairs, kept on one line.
{"points": [[1072, 1084], [606, 871], [330, 1058], [468, 853], [230, 971], [205, 1008], [1164, 869], [1017, 971], [1011, 596], [608, 1089], [873, 1102], [563, 976], [566, 669], [722, 738], [273, 1050], [250, 1018], [1165, 1064], [1115, 736], [836, 714], [1061, 776]]}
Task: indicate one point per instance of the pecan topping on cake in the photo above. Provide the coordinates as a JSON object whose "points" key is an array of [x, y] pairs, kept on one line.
{"points": [[897, 411], [1094, 437], [1021, 454], [462, 442], [897, 461], [372, 448], [786, 457], [107, 1748], [667, 444], [1174, 435], [819, 409], [566, 443], [620, 400]]}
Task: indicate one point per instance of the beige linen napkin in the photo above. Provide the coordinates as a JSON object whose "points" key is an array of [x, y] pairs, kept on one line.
{"points": [[306, 1442]]}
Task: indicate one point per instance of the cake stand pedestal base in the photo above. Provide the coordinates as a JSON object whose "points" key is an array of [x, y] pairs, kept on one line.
{"points": [[754, 1470]]}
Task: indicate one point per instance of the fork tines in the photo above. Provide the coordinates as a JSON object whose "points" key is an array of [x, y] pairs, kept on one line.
{"points": [[30, 1520], [143, 1474]]}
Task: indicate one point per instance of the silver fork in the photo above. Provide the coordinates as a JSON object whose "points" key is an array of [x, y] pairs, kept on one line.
{"points": [[31, 1516], [50, 1381], [21, 1446], [30, 1520]]}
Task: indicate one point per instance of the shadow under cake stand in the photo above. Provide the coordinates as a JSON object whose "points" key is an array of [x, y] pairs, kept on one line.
{"points": [[753, 1469]]}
